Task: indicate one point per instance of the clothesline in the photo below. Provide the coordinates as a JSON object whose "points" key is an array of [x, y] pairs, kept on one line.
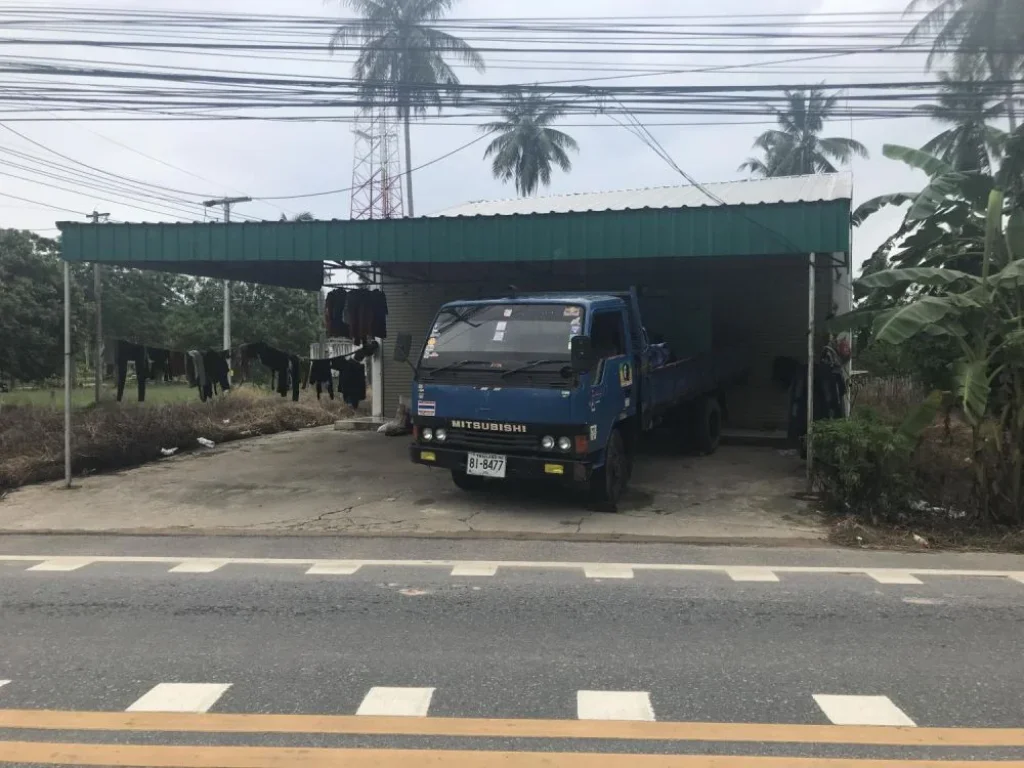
{"points": [[208, 370]]}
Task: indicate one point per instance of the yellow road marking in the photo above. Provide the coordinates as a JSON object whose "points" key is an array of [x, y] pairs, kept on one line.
{"points": [[50, 720], [288, 757]]}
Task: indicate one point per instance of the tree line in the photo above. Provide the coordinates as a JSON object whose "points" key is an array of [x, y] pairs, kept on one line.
{"points": [[151, 308]]}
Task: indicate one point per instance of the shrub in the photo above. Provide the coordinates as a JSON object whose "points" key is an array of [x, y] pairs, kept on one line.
{"points": [[863, 467]]}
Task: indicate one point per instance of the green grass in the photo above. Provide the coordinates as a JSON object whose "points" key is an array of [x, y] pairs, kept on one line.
{"points": [[81, 397]]}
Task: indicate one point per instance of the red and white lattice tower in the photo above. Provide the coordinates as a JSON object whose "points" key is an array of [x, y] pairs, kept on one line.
{"points": [[376, 167]]}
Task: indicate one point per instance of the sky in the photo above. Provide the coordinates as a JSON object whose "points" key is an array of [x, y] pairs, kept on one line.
{"points": [[258, 159]]}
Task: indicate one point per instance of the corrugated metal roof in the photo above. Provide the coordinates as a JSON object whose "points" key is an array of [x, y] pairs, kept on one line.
{"points": [[786, 189], [760, 218]]}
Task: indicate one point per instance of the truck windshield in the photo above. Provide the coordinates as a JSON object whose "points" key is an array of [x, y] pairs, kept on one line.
{"points": [[501, 336]]}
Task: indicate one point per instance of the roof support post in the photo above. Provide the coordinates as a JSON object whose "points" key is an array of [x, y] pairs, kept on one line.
{"points": [[97, 287], [67, 374], [811, 274]]}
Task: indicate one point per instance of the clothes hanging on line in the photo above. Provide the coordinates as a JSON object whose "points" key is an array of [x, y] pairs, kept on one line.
{"points": [[125, 352], [364, 315], [352, 382], [208, 370], [284, 367], [334, 314], [321, 373]]}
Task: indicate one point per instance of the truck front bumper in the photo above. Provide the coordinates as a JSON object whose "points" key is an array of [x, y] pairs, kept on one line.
{"points": [[521, 467]]}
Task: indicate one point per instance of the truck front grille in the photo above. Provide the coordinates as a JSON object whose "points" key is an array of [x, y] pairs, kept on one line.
{"points": [[491, 442]]}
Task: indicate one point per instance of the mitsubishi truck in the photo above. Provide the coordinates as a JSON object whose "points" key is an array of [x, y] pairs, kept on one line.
{"points": [[556, 386]]}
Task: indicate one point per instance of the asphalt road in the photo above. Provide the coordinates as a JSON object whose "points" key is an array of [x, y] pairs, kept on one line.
{"points": [[673, 646]]}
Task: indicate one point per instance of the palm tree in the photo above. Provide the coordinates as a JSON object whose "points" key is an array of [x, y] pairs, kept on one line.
{"points": [[797, 148], [967, 103], [526, 145], [402, 59], [994, 28]]}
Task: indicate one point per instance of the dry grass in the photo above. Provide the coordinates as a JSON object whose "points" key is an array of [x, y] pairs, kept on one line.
{"points": [[852, 532], [891, 398], [115, 436]]}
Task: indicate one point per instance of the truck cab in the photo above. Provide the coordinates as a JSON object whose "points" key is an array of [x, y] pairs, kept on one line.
{"points": [[527, 387]]}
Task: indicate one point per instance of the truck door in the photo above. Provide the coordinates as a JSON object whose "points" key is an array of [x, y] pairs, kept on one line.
{"points": [[612, 381]]}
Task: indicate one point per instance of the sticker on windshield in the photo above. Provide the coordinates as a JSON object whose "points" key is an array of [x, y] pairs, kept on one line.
{"points": [[499, 335], [571, 312], [593, 431], [575, 328], [426, 408]]}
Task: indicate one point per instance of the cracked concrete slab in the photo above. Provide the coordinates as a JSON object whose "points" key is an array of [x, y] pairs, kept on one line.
{"points": [[351, 483]]}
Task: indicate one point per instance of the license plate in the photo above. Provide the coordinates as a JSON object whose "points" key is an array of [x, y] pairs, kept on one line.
{"points": [[485, 465]]}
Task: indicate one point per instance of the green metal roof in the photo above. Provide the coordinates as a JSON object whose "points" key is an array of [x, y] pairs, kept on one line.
{"points": [[289, 253]]}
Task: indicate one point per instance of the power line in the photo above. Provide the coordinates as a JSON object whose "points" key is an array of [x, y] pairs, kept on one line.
{"points": [[403, 173]]}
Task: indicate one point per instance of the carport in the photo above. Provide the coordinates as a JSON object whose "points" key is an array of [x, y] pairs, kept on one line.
{"points": [[763, 262]]}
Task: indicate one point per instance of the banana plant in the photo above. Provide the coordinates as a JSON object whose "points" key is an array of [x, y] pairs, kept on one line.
{"points": [[984, 314]]}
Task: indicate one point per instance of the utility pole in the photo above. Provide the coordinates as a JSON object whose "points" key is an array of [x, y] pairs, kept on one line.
{"points": [[97, 287], [226, 203]]}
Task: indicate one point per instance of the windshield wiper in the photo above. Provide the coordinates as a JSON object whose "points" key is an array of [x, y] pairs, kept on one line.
{"points": [[460, 317], [453, 366], [533, 364]]}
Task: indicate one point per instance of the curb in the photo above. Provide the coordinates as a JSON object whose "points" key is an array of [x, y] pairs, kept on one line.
{"points": [[713, 541]]}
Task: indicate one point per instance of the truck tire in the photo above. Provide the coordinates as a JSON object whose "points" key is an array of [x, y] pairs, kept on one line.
{"points": [[608, 483], [467, 482], [707, 425]]}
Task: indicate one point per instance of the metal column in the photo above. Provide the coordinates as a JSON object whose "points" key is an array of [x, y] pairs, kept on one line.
{"points": [[811, 273], [97, 288], [67, 374]]}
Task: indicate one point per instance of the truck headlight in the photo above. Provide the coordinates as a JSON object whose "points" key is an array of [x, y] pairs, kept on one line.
{"points": [[547, 443], [441, 435], [564, 444], [428, 434]]}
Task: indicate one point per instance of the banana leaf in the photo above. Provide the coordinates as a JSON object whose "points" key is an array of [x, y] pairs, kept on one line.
{"points": [[905, 322], [933, 277], [972, 387]]}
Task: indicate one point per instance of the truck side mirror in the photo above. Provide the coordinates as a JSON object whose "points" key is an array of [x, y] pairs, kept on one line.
{"points": [[581, 354], [403, 346]]}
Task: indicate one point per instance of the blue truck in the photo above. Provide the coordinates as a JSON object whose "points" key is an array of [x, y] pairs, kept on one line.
{"points": [[557, 386]]}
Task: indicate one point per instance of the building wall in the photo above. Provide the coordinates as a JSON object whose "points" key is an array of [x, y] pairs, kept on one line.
{"points": [[694, 304]]}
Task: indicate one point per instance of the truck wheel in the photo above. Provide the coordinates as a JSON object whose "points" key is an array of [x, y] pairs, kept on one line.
{"points": [[467, 482], [707, 425], [608, 483]]}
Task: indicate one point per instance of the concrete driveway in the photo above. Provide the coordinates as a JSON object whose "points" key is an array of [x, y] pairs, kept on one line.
{"points": [[363, 484]]}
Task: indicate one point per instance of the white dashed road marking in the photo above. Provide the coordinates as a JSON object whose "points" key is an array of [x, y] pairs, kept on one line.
{"points": [[179, 697], [199, 566], [396, 702], [614, 705], [63, 564], [471, 569], [333, 569], [751, 574], [862, 710], [4, 682], [314, 566], [888, 576], [607, 571]]}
